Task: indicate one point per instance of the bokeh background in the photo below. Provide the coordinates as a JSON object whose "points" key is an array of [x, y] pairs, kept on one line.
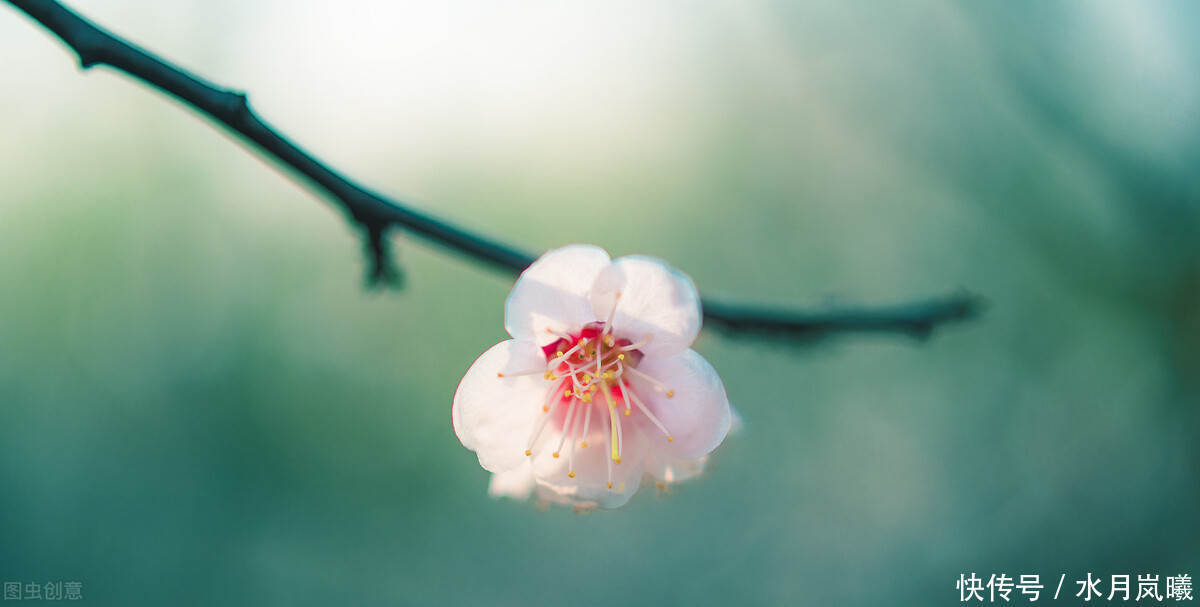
{"points": [[201, 404]]}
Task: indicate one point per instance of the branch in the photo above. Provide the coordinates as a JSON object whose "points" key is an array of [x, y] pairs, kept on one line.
{"points": [[376, 214], [916, 320]]}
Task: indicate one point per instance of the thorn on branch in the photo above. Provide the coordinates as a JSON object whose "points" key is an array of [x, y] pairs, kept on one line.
{"points": [[236, 102], [382, 271], [89, 57]]}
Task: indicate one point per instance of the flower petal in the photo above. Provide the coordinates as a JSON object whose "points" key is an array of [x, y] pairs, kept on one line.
{"points": [[590, 484], [517, 483], [697, 414], [553, 293], [493, 416], [656, 299], [673, 470]]}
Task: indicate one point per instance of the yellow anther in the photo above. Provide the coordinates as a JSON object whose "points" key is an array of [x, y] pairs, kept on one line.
{"points": [[627, 412], [587, 378], [558, 354], [567, 392], [548, 375], [499, 374], [583, 445], [608, 375], [610, 485], [670, 393], [571, 474], [545, 408], [555, 454], [620, 357], [609, 341], [528, 453], [587, 398], [670, 439], [617, 460]]}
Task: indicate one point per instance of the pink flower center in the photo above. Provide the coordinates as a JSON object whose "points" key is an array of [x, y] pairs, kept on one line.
{"points": [[589, 373]]}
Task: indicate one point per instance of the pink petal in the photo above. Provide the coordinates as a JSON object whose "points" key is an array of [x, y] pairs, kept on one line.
{"points": [[493, 416], [656, 300], [697, 415], [553, 293]]}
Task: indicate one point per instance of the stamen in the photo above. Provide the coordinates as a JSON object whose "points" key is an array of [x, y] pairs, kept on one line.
{"points": [[520, 373], [572, 423], [560, 357], [613, 426], [620, 443], [646, 410], [618, 435], [558, 334], [658, 386], [608, 460], [634, 346], [567, 424], [548, 410], [612, 314], [587, 422]]}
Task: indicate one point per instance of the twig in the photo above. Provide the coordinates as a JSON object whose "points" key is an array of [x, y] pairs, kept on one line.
{"points": [[376, 214], [916, 319]]}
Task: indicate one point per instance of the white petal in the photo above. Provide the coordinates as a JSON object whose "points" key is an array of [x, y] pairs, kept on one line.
{"points": [[590, 484], [493, 416], [553, 293], [517, 483], [656, 299], [697, 415], [673, 470], [737, 423]]}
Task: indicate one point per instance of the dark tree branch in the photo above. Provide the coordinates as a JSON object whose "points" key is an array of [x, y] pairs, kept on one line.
{"points": [[376, 214], [916, 319]]}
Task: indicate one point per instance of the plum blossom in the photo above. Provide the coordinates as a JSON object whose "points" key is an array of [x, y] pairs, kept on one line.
{"points": [[598, 386]]}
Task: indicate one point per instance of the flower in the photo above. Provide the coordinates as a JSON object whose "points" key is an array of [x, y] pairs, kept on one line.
{"points": [[598, 385]]}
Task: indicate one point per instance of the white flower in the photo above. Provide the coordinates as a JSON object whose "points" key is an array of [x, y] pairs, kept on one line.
{"points": [[597, 386]]}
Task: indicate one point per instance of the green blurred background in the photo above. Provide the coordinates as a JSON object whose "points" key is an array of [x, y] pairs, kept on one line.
{"points": [[200, 403]]}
